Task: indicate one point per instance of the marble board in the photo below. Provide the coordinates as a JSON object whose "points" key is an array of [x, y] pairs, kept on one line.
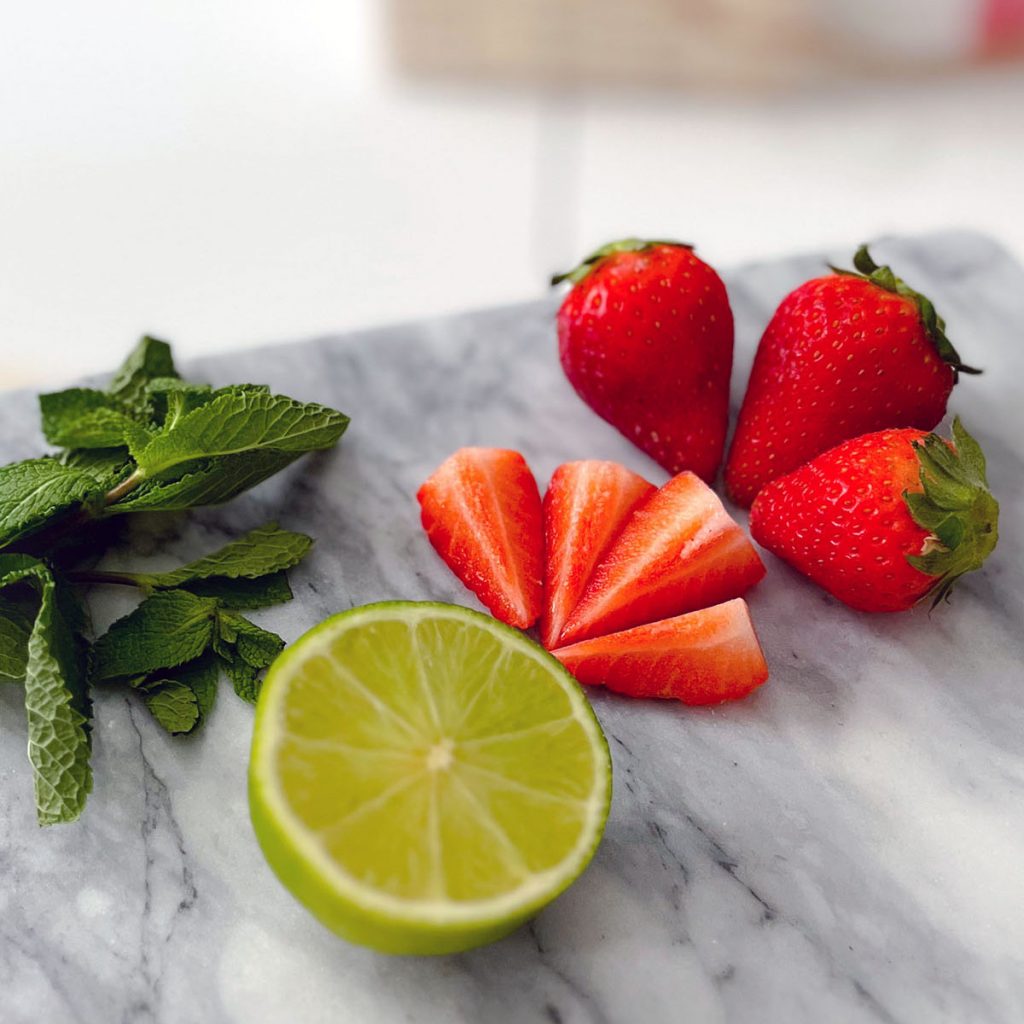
{"points": [[844, 846]]}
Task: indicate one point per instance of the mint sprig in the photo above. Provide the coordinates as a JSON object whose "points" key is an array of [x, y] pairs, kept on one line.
{"points": [[149, 442]]}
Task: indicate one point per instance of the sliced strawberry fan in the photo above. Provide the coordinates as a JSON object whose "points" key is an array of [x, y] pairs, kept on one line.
{"points": [[641, 586]]}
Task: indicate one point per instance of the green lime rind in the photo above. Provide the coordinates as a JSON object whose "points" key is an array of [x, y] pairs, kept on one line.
{"points": [[366, 915]]}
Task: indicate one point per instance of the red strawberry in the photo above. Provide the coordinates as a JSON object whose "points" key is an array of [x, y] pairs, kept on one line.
{"points": [[481, 510], [586, 506], [705, 657], [883, 520], [645, 338], [679, 551], [844, 355]]}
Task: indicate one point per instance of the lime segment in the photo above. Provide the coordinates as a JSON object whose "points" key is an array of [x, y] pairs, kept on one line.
{"points": [[423, 778]]}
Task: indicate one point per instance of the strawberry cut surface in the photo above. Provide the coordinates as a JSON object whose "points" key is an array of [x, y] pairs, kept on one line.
{"points": [[482, 512], [585, 508], [704, 657], [679, 551]]}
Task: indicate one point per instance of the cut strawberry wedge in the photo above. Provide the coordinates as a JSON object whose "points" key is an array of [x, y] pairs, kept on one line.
{"points": [[679, 551], [704, 657], [481, 510], [585, 508]]}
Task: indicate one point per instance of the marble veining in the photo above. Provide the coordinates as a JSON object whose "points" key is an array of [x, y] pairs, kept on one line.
{"points": [[846, 846]]}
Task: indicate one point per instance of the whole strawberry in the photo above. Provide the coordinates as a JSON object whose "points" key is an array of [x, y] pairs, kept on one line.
{"points": [[645, 338], [883, 520], [843, 355]]}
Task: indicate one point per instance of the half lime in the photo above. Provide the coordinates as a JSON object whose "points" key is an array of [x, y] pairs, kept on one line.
{"points": [[423, 778]]}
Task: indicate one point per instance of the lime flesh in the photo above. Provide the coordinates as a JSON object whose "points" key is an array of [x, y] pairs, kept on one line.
{"points": [[424, 779]]}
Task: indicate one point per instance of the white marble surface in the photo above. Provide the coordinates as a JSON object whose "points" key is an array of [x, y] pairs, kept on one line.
{"points": [[845, 846]]}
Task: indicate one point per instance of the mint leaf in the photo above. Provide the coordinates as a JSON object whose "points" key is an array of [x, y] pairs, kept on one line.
{"points": [[257, 647], [16, 620], [242, 594], [201, 677], [212, 483], [137, 436], [182, 698], [149, 360], [245, 649], [82, 418], [37, 490], [173, 705], [56, 702], [166, 630], [57, 708], [240, 421], [260, 552], [170, 398], [244, 678], [105, 465]]}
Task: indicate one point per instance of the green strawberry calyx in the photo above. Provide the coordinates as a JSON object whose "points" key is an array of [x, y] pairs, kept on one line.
{"points": [[623, 245], [935, 327], [955, 507]]}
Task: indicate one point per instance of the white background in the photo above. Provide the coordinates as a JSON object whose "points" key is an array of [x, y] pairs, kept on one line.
{"points": [[225, 174]]}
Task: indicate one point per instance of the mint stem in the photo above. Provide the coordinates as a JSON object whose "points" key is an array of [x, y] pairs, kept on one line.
{"points": [[125, 487], [125, 579]]}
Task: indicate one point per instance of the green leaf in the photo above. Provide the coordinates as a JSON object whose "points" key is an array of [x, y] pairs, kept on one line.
{"points": [[244, 594], [242, 421], [258, 647], [105, 465], [955, 507], [972, 458], [166, 630], [170, 398], [82, 418], [137, 436], [244, 678], [246, 649], [56, 701], [201, 677], [16, 619], [212, 483], [173, 705], [181, 698], [260, 552], [38, 490], [149, 360], [227, 627]]}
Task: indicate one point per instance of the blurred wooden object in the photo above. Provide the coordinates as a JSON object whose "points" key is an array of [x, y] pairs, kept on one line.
{"points": [[744, 43]]}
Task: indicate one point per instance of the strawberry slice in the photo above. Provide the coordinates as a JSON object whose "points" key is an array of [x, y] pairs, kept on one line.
{"points": [[481, 510], [586, 506], [679, 551], [704, 657]]}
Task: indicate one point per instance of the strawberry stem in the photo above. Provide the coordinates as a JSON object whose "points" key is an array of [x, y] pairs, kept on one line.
{"points": [[935, 327], [955, 507], [623, 245]]}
